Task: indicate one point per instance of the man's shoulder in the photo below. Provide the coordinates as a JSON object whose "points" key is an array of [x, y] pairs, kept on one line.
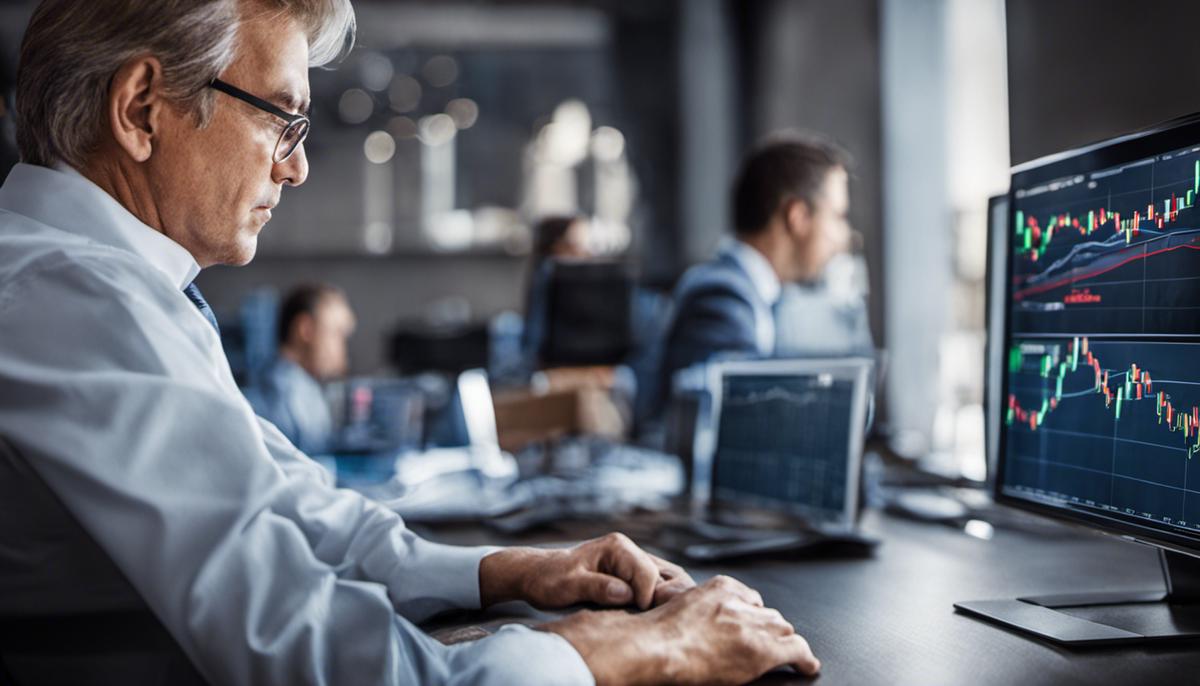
{"points": [[714, 315], [715, 300], [35, 252], [719, 279], [282, 375]]}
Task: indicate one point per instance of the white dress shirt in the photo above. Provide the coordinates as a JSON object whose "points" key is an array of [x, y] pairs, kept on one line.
{"points": [[115, 393], [766, 285]]}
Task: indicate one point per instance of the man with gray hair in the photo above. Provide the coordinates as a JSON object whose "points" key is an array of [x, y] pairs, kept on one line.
{"points": [[156, 137]]}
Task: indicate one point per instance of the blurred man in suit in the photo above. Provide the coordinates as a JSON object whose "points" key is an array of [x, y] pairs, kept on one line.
{"points": [[790, 204]]}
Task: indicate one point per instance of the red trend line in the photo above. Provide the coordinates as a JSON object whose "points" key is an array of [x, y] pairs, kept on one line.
{"points": [[1034, 290]]}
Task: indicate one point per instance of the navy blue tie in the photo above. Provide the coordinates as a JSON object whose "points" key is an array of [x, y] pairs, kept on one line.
{"points": [[193, 294]]}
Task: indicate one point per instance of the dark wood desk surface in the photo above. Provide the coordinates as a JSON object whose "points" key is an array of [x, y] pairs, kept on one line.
{"points": [[890, 619]]}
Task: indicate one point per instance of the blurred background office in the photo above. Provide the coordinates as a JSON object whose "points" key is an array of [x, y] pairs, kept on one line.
{"points": [[455, 130]]}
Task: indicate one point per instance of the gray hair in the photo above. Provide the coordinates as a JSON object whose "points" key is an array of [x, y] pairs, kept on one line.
{"points": [[72, 49]]}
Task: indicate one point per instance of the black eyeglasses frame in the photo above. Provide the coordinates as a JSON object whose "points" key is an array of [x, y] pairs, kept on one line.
{"points": [[291, 120]]}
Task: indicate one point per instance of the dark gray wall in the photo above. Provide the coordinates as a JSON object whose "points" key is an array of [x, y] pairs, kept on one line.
{"points": [[1084, 70], [814, 65]]}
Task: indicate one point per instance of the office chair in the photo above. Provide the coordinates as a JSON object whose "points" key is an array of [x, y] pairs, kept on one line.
{"points": [[46, 645]]}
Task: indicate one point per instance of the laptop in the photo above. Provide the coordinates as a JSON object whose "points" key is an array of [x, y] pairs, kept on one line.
{"points": [[779, 459], [479, 414], [456, 483]]}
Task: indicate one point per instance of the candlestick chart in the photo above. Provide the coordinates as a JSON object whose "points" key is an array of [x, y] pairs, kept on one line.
{"points": [[1118, 252], [1102, 406], [1112, 424]]}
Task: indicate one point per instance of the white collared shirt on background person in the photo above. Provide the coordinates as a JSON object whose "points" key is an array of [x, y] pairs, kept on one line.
{"points": [[768, 287]]}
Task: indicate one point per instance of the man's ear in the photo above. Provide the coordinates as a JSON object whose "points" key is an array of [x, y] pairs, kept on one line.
{"points": [[797, 217], [304, 328], [136, 106]]}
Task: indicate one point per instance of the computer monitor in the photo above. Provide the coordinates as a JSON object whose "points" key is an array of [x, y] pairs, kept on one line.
{"points": [[787, 437], [416, 348], [378, 415], [588, 313], [1100, 380], [995, 304]]}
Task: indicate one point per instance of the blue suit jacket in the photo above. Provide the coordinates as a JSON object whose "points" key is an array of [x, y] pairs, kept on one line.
{"points": [[714, 316]]}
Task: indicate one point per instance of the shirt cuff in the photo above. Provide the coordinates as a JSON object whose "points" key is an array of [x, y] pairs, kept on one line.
{"points": [[447, 575], [517, 654]]}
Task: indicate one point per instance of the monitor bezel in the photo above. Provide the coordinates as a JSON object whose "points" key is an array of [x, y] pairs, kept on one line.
{"points": [[1171, 135], [994, 309], [857, 369]]}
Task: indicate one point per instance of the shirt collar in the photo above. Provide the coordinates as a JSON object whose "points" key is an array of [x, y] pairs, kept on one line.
{"points": [[64, 199], [762, 274]]}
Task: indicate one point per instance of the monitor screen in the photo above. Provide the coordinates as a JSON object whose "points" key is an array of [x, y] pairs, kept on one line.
{"points": [[1101, 348], [788, 437], [479, 414], [588, 313]]}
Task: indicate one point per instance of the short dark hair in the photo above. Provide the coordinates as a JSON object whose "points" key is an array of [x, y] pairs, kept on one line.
{"points": [[302, 299], [548, 232], [781, 167]]}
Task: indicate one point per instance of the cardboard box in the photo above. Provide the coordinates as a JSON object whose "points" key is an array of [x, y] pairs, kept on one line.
{"points": [[524, 417]]}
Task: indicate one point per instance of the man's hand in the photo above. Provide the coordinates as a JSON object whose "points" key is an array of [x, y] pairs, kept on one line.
{"points": [[607, 571], [717, 633]]}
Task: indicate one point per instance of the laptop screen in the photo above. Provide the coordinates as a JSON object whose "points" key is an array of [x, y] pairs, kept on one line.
{"points": [[479, 414], [789, 437]]}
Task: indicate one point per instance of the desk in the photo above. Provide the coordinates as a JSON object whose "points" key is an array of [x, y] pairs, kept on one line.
{"points": [[890, 619]]}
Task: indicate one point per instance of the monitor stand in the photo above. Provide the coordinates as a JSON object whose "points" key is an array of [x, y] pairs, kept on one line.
{"points": [[1082, 619]]}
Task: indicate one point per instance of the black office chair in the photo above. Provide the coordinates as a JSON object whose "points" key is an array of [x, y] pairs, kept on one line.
{"points": [[86, 649], [5, 676], [47, 646]]}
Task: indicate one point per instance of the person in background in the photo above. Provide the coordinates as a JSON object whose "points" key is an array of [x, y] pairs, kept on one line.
{"points": [[790, 204], [554, 238], [567, 238], [315, 323]]}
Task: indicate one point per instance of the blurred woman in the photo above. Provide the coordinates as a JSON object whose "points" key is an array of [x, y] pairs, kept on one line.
{"points": [[562, 237]]}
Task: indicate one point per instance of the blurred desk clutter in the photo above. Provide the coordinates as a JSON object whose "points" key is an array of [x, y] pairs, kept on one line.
{"points": [[463, 432], [748, 489], [564, 462]]}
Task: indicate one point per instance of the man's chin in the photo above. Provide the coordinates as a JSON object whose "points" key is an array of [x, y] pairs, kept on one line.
{"points": [[242, 252], [246, 254]]}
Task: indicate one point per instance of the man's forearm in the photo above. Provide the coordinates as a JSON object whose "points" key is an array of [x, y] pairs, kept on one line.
{"points": [[503, 575]]}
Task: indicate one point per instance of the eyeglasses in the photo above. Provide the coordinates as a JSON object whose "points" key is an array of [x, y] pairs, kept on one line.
{"points": [[293, 134]]}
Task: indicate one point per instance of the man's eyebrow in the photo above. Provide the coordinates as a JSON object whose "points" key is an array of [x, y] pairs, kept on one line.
{"points": [[289, 101]]}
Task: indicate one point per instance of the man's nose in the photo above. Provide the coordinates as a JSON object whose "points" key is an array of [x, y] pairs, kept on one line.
{"points": [[294, 170]]}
